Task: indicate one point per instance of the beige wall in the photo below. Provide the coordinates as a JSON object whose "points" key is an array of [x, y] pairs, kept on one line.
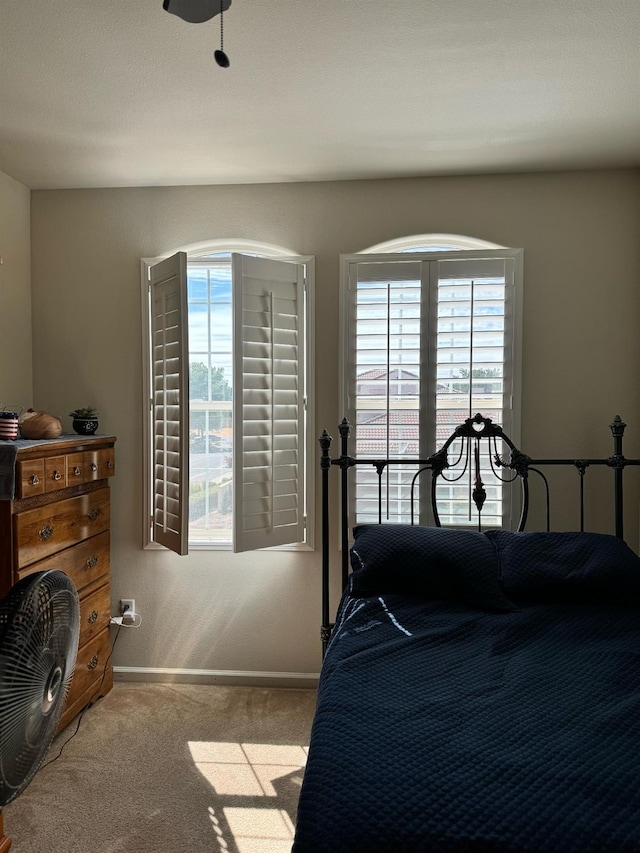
{"points": [[260, 612], [15, 294]]}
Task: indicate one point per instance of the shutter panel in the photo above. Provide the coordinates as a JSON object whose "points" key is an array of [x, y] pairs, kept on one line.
{"points": [[388, 364], [268, 402], [170, 402], [472, 340], [474, 370]]}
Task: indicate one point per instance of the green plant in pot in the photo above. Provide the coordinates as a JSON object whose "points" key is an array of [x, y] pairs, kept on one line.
{"points": [[85, 420]]}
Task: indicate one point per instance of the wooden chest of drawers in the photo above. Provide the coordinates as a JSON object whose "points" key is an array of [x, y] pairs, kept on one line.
{"points": [[60, 519]]}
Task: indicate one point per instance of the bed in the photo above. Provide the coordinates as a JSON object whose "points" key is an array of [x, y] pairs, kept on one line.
{"points": [[480, 688]]}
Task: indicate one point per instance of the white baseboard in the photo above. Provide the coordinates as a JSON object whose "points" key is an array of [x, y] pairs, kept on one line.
{"points": [[214, 676]]}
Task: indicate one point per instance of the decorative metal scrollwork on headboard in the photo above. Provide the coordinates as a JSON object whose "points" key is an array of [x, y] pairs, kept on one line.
{"points": [[469, 433]]}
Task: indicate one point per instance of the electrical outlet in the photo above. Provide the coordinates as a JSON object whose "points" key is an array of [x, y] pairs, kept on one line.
{"points": [[127, 610]]}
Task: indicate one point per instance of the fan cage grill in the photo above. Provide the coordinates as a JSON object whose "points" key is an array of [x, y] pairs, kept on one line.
{"points": [[39, 633]]}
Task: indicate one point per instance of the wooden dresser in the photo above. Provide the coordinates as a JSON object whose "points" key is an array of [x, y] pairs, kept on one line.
{"points": [[60, 519]]}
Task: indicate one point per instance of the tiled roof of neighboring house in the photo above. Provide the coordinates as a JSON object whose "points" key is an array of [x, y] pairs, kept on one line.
{"points": [[408, 448], [406, 416], [402, 427], [382, 372]]}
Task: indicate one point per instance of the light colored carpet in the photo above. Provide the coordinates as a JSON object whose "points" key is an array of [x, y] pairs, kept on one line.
{"points": [[158, 768]]}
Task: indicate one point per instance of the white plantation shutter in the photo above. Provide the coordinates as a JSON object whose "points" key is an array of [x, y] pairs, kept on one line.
{"points": [[268, 402], [386, 304], [472, 301], [170, 402], [474, 369], [429, 339]]}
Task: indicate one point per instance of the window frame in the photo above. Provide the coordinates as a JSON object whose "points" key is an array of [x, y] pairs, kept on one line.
{"points": [[385, 253], [199, 252]]}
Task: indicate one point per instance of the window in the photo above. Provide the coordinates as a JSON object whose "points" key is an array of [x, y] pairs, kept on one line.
{"points": [[431, 336], [227, 371]]}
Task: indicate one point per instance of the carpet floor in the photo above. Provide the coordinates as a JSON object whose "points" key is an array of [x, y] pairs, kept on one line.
{"points": [[168, 768]]}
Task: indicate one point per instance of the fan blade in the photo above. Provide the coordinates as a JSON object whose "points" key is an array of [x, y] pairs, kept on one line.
{"points": [[196, 11]]}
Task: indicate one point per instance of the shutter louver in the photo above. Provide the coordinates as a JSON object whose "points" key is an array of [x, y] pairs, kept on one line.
{"points": [[268, 403], [170, 398]]}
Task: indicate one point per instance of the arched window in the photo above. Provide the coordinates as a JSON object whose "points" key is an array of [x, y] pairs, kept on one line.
{"points": [[235, 311], [430, 336], [431, 243], [227, 245]]}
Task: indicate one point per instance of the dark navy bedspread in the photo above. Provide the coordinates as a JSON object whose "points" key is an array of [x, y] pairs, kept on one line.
{"points": [[442, 727]]}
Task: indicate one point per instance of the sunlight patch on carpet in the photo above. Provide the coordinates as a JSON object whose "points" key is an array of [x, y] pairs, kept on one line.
{"points": [[261, 773], [260, 830]]}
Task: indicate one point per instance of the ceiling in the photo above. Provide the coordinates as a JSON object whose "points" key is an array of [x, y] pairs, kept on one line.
{"points": [[122, 93]]}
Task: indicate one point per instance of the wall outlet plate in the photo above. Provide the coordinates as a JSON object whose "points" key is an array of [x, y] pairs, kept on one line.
{"points": [[127, 610]]}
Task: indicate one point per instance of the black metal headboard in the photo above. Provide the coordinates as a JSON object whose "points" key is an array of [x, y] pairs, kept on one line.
{"points": [[471, 433]]}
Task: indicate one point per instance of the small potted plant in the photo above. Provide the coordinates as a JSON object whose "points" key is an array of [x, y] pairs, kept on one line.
{"points": [[85, 420]]}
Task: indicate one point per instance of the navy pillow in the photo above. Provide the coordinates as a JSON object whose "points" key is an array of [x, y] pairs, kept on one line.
{"points": [[585, 568], [429, 562]]}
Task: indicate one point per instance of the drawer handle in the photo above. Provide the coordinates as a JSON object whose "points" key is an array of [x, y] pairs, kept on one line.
{"points": [[57, 475], [93, 514], [93, 663], [34, 479], [45, 532], [94, 466], [76, 471], [92, 618], [110, 464], [92, 561]]}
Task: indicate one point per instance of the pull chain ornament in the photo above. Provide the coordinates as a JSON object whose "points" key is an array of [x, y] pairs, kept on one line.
{"points": [[219, 55]]}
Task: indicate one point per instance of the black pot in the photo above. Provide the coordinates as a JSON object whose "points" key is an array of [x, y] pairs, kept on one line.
{"points": [[85, 426]]}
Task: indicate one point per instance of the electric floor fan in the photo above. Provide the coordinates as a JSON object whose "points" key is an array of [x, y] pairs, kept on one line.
{"points": [[39, 631]]}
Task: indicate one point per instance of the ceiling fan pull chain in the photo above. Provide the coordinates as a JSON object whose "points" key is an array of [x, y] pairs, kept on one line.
{"points": [[220, 56]]}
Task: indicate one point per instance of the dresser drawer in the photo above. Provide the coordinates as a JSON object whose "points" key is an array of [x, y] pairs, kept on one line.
{"points": [[30, 478], [48, 529], [99, 464], [95, 614], [55, 473], [90, 664], [84, 563], [75, 469]]}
